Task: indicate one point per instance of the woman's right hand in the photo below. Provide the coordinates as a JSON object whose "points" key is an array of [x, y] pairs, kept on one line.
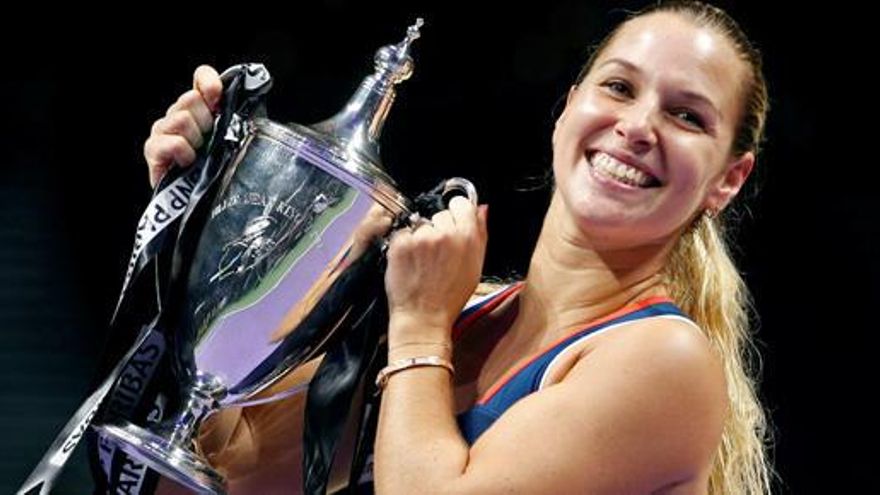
{"points": [[175, 137]]}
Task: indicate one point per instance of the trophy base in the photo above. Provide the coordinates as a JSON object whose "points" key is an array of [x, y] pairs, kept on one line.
{"points": [[172, 461]]}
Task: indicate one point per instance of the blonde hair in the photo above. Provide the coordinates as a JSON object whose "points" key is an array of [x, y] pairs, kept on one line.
{"points": [[705, 283]]}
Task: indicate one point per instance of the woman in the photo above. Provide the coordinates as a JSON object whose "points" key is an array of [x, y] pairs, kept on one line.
{"points": [[617, 365]]}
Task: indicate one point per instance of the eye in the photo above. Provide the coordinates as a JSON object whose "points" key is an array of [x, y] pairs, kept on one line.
{"points": [[619, 87], [690, 117]]}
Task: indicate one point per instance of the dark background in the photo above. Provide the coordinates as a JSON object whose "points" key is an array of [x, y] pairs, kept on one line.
{"points": [[82, 91]]}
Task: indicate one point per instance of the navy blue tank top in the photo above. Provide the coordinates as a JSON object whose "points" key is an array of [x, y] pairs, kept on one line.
{"points": [[531, 375]]}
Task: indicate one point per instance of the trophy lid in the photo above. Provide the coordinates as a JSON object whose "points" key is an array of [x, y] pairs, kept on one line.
{"points": [[357, 128], [344, 162]]}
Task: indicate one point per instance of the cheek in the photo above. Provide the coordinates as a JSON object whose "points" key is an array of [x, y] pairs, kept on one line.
{"points": [[577, 129], [691, 180], [560, 173], [692, 158], [581, 117]]}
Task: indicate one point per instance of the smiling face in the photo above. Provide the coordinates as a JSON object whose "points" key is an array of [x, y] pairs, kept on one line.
{"points": [[644, 142]]}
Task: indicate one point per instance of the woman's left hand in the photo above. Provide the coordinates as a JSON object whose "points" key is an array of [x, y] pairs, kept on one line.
{"points": [[432, 271]]}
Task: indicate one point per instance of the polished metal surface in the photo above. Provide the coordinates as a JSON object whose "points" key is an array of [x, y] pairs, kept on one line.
{"points": [[169, 459], [289, 223]]}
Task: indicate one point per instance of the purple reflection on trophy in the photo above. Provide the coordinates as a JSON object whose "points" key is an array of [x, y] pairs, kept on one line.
{"points": [[232, 345]]}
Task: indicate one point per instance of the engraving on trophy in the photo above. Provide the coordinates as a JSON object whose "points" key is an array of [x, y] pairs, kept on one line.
{"points": [[242, 254]]}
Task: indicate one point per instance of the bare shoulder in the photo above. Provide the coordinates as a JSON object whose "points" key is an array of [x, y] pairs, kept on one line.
{"points": [[640, 412], [675, 381], [659, 355], [661, 342]]}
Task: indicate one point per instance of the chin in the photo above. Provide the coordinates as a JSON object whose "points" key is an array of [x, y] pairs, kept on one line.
{"points": [[620, 229]]}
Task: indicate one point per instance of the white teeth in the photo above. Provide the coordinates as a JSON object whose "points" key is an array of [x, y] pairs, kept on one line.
{"points": [[618, 170]]}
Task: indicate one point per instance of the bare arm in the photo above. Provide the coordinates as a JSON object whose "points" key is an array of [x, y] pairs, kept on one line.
{"points": [[632, 417]]}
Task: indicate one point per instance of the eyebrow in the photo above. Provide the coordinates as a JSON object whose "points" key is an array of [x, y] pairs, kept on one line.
{"points": [[687, 94]]}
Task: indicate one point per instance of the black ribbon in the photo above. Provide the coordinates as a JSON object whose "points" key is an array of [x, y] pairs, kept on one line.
{"points": [[343, 388], [140, 300]]}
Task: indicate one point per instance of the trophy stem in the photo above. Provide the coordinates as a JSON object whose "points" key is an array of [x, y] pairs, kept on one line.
{"points": [[204, 393], [171, 454]]}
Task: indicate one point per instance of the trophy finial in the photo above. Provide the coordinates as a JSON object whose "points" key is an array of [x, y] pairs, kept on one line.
{"points": [[412, 32], [394, 60], [360, 123]]}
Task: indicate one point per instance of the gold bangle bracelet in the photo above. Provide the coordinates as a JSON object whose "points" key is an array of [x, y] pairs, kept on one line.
{"points": [[413, 362], [444, 345]]}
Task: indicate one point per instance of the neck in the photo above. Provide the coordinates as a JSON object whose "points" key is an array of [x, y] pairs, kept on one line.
{"points": [[570, 282]]}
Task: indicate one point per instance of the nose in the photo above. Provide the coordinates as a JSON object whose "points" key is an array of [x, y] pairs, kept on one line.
{"points": [[636, 126]]}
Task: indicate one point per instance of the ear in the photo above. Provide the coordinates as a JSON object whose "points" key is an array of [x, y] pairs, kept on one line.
{"points": [[729, 182]]}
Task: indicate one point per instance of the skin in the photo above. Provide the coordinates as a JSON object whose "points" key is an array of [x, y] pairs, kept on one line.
{"points": [[653, 415], [175, 137]]}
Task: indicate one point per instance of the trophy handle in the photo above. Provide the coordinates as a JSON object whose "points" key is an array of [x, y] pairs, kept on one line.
{"points": [[458, 186], [435, 200]]}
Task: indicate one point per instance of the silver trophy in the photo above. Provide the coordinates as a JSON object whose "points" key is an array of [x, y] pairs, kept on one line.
{"points": [[298, 208]]}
